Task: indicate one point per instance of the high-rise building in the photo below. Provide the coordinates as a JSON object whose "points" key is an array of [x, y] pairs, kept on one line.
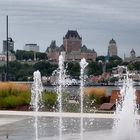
{"points": [[112, 48], [10, 45], [31, 47], [72, 42]]}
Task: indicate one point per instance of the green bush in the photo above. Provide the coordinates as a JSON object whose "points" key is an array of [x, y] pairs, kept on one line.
{"points": [[12, 101], [71, 107], [12, 95], [91, 102], [49, 100]]}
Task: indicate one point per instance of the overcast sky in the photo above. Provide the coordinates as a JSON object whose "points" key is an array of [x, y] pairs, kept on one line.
{"points": [[97, 21]]}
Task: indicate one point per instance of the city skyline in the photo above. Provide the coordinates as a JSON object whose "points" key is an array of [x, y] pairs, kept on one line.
{"points": [[41, 21]]}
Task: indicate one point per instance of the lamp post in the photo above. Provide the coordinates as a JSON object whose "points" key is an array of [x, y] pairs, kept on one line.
{"points": [[7, 58]]}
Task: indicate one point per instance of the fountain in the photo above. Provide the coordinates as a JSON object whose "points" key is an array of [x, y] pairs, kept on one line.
{"points": [[83, 65], [61, 84], [36, 98], [125, 126], [63, 126]]}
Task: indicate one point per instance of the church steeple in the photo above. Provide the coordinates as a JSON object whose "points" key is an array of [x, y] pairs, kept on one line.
{"points": [[133, 53], [112, 41]]}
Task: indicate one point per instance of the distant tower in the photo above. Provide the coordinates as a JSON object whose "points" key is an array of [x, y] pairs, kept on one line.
{"points": [[133, 54], [10, 45], [112, 48], [72, 42]]}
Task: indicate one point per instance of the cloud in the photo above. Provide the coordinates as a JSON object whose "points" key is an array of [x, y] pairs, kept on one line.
{"points": [[96, 20]]}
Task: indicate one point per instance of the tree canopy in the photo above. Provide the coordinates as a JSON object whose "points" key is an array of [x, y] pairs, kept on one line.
{"points": [[29, 55]]}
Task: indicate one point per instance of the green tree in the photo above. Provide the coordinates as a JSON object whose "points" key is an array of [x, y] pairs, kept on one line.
{"points": [[95, 68], [136, 66], [114, 61], [45, 67], [27, 55], [19, 71], [41, 56], [73, 69], [102, 58]]}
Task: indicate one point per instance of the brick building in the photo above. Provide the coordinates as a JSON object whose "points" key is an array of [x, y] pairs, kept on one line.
{"points": [[72, 42], [71, 48]]}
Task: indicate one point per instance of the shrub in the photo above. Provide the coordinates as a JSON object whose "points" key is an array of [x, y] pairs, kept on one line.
{"points": [[93, 98], [13, 95], [99, 92], [49, 100], [73, 107]]}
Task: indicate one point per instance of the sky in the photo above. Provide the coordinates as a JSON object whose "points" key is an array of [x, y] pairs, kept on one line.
{"points": [[97, 21]]}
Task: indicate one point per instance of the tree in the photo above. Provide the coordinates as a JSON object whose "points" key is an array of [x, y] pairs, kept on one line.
{"points": [[95, 68], [102, 58], [27, 55], [45, 67], [41, 56], [114, 61], [24, 55], [73, 69], [136, 66]]}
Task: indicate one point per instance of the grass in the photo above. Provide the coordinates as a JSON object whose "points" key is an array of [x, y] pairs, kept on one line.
{"points": [[99, 92], [13, 95], [93, 98], [49, 100]]}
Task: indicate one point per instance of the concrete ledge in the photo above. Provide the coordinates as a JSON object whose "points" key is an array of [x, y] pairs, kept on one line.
{"points": [[56, 114]]}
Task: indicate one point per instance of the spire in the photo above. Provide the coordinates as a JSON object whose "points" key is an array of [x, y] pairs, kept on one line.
{"points": [[112, 41], [132, 51]]}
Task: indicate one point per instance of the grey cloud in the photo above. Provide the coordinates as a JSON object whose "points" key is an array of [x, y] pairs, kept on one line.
{"points": [[96, 20]]}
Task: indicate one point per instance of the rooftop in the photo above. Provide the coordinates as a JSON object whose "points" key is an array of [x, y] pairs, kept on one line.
{"points": [[30, 44], [112, 41], [72, 34], [132, 51]]}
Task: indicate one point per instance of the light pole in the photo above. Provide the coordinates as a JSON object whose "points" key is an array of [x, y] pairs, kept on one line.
{"points": [[7, 58]]}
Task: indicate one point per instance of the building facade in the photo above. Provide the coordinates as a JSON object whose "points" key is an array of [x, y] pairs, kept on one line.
{"points": [[3, 57], [72, 42], [53, 52], [31, 47], [132, 57], [10, 45], [71, 49], [112, 48]]}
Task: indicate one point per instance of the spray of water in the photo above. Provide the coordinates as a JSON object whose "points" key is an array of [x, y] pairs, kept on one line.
{"points": [[61, 81], [83, 65], [36, 98], [125, 126], [61, 84]]}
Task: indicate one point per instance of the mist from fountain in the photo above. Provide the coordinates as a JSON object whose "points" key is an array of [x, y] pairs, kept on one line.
{"points": [[36, 98], [61, 85], [83, 65], [125, 125]]}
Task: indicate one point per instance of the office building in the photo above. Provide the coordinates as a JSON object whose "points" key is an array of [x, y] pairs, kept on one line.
{"points": [[10, 45]]}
